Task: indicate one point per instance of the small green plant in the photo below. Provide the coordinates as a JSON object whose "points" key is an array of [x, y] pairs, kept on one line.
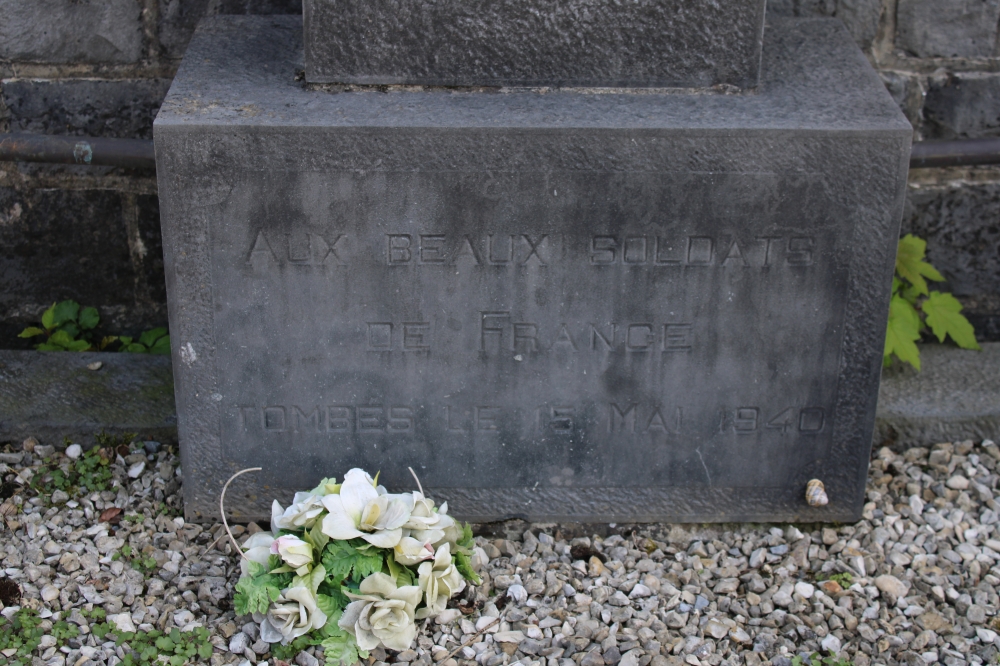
{"points": [[175, 648], [844, 579], [67, 327], [22, 634], [91, 471], [155, 341], [815, 660], [143, 564], [914, 310]]}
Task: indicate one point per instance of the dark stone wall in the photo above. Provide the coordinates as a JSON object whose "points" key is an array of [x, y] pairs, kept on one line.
{"points": [[101, 68]]}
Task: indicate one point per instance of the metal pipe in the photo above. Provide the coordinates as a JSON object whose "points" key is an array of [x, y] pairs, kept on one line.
{"points": [[138, 153], [94, 151], [964, 152]]}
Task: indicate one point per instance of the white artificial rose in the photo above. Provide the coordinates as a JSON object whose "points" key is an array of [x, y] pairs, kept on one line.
{"points": [[294, 551], [293, 614], [305, 509], [429, 526], [411, 552], [382, 615], [361, 511], [257, 549], [439, 581]]}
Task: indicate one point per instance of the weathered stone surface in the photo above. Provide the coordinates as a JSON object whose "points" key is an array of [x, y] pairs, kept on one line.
{"points": [[178, 18], [963, 105], [952, 398], [947, 28], [66, 31], [564, 306], [122, 108], [860, 16], [51, 395], [521, 43]]}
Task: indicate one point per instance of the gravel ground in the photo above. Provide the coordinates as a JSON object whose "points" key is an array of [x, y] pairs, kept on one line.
{"points": [[914, 582]]}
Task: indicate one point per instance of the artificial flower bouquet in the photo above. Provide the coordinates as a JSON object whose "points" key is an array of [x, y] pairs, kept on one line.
{"points": [[350, 567]]}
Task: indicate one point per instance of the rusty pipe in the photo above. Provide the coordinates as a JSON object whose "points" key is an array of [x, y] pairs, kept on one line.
{"points": [[93, 151]]}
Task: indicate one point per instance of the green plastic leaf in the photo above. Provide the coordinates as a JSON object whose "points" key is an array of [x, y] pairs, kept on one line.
{"points": [[342, 559], [89, 318], [910, 263], [399, 573], [903, 331], [161, 346], [944, 318], [30, 332], [317, 536], [255, 592], [149, 337], [64, 312]]}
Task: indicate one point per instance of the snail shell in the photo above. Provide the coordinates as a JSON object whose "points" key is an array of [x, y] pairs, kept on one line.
{"points": [[816, 493]]}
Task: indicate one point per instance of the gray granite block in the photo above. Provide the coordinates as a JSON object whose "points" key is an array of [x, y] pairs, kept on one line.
{"points": [[563, 306], [677, 43], [51, 395]]}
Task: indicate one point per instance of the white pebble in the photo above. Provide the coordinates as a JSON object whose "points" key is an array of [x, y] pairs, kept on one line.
{"points": [[804, 590], [74, 451], [137, 469]]}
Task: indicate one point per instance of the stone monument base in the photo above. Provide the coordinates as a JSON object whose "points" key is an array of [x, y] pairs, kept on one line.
{"points": [[563, 306]]}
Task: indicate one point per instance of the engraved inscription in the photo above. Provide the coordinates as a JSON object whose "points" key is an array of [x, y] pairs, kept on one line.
{"points": [[499, 331], [411, 336], [301, 248], [757, 251], [330, 419], [493, 249], [745, 420]]}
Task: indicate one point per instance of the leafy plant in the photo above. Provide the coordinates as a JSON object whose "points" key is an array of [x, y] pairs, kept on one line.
{"points": [[67, 327], [155, 341], [844, 579], [90, 471], [22, 633], [914, 310], [175, 648], [143, 564]]}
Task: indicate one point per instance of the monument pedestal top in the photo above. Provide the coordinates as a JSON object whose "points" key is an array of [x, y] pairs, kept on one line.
{"points": [[574, 306]]}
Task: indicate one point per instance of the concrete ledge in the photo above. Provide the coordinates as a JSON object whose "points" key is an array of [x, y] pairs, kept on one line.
{"points": [[955, 396], [51, 395]]}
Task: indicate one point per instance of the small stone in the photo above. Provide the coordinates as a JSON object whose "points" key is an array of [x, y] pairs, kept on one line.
{"points": [[29, 444], [123, 622], [508, 637], [640, 591], [783, 597], [738, 635], [448, 615], [136, 470], [831, 587], [238, 643], [60, 497], [406, 656], [630, 658], [958, 482], [619, 599], [183, 618], [830, 536], [592, 658], [831, 643], [804, 590], [74, 451], [151, 447], [717, 630], [95, 366], [986, 635], [49, 593], [976, 614], [891, 586], [305, 659]]}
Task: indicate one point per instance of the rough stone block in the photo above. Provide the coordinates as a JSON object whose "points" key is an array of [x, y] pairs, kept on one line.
{"points": [[963, 105], [178, 18], [71, 31], [860, 16], [117, 108], [675, 43], [51, 395], [947, 28], [563, 306]]}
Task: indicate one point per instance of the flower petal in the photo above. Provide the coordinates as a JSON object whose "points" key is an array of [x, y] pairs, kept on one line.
{"points": [[268, 633], [383, 539], [401, 638], [396, 513], [337, 524], [378, 583], [356, 492]]}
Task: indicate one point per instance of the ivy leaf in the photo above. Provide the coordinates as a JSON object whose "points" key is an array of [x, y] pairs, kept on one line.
{"points": [[903, 331], [89, 318], [341, 559], [79, 345], [30, 332], [944, 318], [910, 263], [49, 318]]}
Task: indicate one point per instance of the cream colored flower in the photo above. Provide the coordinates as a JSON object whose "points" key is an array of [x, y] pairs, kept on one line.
{"points": [[439, 581], [294, 551], [301, 514], [257, 549], [429, 526], [361, 511], [382, 614], [293, 614], [411, 552]]}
